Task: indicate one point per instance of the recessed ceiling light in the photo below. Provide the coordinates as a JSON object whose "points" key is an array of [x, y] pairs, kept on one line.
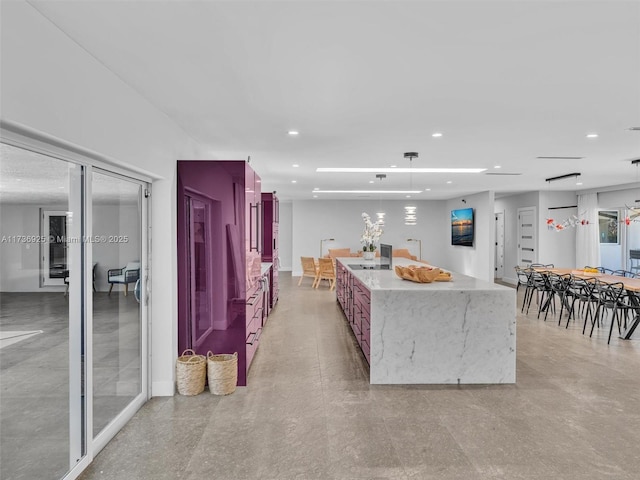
{"points": [[408, 196], [294, 181], [293, 132], [315, 196], [393, 166], [398, 170], [449, 181], [427, 189], [367, 191], [436, 135], [497, 166], [316, 188], [370, 181], [295, 165], [578, 183], [592, 135]]}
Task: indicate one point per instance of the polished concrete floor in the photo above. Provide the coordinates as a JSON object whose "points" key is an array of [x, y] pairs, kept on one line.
{"points": [[310, 413], [34, 377]]}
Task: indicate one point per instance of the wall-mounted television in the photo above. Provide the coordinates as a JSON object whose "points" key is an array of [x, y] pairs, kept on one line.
{"points": [[462, 227]]}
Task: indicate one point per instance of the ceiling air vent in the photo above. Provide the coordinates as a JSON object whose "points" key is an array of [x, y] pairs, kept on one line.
{"points": [[561, 158], [634, 129], [502, 174]]}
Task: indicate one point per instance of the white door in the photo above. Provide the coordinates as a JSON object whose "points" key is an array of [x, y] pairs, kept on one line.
{"points": [[499, 254], [527, 236]]}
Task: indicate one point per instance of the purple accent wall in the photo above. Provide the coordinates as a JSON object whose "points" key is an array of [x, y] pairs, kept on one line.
{"points": [[233, 190]]}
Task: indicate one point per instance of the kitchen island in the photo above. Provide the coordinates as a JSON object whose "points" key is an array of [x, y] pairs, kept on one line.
{"points": [[458, 332]]}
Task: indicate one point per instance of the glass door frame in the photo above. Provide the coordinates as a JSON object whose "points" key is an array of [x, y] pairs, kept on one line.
{"points": [[98, 442], [84, 448]]}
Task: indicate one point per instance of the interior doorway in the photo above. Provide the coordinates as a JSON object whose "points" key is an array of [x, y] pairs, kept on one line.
{"points": [[53, 255], [527, 236]]}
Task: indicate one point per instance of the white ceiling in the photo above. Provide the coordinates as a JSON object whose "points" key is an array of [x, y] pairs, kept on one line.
{"points": [[32, 178], [366, 81]]}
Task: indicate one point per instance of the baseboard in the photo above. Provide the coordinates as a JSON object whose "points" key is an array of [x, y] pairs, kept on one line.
{"points": [[162, 389], [512, 281]]}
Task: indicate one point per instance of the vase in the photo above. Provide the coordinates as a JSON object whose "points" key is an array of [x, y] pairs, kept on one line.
{"points": [[369, 255]]}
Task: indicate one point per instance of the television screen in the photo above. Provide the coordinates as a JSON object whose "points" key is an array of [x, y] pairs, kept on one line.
{"points": [[462, 227], [385, 256]]}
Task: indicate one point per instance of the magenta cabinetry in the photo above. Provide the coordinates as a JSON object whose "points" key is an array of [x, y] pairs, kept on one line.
{"points": [[270, 244], [220, 292], [355, 300]]}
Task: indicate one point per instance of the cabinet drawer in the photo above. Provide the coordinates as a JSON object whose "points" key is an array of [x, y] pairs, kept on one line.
{"points": [[366, 331], [252, 345], [254, 303]]}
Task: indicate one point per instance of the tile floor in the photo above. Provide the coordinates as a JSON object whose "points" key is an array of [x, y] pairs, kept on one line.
{"points": [[34, 378], [310, 413]]}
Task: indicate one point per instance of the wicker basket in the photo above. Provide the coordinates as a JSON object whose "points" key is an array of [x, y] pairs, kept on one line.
{"points": [[222, 373], [191, 371]]}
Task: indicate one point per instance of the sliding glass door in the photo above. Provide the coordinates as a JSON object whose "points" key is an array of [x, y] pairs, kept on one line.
{"points": [[73, 334], [117, 339], [41, 354]]}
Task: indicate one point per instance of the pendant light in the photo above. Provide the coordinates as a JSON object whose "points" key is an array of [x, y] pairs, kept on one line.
{"points": [[410, 214], [380, 214]]}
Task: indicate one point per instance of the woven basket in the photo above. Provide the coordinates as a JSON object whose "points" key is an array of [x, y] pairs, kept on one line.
{"points": [[222, 373], [191, 371]]}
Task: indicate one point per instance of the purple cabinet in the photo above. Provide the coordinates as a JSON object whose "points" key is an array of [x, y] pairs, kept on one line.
{"points": [[271, 220], [355, 299], [219, 254]]}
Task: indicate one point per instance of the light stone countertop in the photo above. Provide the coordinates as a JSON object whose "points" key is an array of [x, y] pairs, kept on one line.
{"points": [[388, 280]]}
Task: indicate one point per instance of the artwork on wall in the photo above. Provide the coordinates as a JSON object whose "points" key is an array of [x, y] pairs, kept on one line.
{"points": [[608, 226], [462, 227]]}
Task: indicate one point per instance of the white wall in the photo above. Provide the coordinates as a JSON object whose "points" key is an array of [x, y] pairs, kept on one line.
{"points": [[619, 198], [509, 205], [51, 85], [342, 220], [20, 266], [557, 247], [476, 261], [285, 233]]}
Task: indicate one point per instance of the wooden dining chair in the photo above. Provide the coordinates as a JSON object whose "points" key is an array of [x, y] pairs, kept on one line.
{"points": [[326, 271], [309, 269]]}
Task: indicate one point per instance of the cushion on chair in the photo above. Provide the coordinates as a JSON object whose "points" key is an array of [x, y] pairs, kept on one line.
{"points": [[131, 266], [403, 253], [339, 252]]}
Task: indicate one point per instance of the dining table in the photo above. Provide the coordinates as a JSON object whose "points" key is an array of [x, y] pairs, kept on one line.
{"points": [[631, 285]]}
